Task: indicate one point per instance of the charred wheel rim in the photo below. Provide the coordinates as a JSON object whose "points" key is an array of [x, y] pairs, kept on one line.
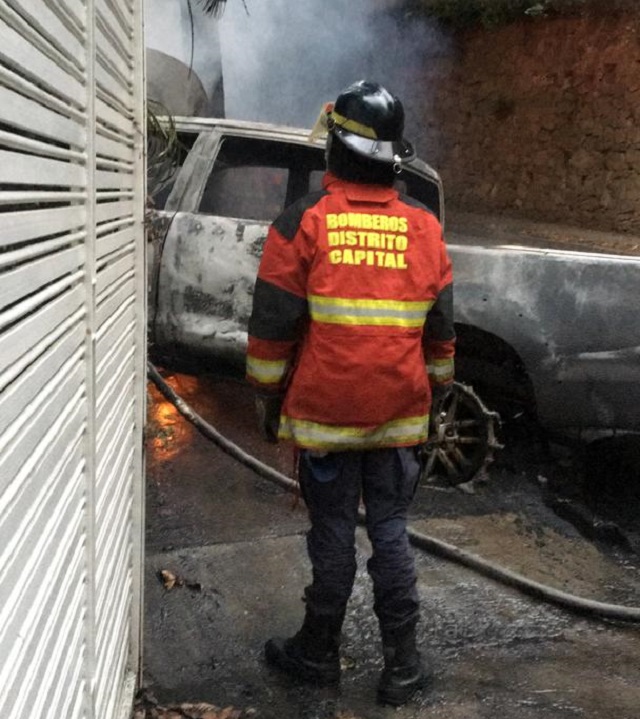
{"points": [[462, 439]]}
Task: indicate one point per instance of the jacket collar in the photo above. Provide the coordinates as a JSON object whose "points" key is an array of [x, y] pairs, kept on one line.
{"points": [[358, 192]]}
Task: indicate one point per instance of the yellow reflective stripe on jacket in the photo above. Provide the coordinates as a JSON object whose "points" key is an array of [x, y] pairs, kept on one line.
{"points": [[343, 311], [441, 369], [313, 435], [266, 371]]}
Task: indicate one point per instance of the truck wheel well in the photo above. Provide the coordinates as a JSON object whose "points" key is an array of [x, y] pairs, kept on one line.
{"points": [[495, 370]]}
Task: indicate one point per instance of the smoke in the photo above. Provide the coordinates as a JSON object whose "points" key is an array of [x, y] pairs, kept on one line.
{"points": [[281, 59]]}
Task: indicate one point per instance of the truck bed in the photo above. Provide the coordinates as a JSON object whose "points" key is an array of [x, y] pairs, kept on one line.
{"points": [[467, 228]]}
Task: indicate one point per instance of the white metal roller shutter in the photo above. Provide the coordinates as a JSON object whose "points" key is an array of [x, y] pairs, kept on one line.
{"points": [[72, 355]]}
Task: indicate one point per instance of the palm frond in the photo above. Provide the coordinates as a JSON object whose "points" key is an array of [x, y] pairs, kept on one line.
{"points": [[163, 148], [216, 7], [213, 7]]}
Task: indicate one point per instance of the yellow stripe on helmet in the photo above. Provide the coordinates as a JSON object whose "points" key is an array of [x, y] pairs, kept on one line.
{"points": [[353, 126]]}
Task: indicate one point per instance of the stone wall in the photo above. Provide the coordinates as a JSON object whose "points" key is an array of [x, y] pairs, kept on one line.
{"points": [[540, 119]]}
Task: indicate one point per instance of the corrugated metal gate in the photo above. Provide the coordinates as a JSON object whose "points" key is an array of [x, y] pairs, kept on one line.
{"points": [[72, 355]]}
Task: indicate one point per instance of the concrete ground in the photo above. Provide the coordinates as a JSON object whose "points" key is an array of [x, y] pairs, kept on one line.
{"points": [[232, 549]]}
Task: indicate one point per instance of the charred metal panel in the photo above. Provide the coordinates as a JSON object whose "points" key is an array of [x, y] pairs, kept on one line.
{"points": [[207, 273], [573, 319]]}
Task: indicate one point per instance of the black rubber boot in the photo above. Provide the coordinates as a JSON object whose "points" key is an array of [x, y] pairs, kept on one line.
{"points": [[312, 655], [404, 672]]}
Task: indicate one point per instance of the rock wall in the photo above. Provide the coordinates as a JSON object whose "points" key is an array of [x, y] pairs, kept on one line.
{"points": [[540, 119]]}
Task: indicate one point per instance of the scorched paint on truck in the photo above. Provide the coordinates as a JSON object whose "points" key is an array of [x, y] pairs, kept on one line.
{"points": [[546, 317]]}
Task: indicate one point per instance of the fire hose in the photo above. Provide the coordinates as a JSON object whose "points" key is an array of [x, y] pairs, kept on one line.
{"points": [[424, 542]]}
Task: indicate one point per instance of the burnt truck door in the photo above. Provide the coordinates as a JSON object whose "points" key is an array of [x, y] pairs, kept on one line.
{"points": [[223, 202]]}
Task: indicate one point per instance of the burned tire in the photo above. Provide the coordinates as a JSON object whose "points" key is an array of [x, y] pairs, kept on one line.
{"points": [[463, 438]]}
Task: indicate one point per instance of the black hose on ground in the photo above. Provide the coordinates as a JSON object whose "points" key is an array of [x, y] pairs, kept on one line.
{"points": [[589, 607]]}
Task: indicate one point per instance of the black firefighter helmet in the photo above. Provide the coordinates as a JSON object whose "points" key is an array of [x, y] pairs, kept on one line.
{"points": [[369, 120]]}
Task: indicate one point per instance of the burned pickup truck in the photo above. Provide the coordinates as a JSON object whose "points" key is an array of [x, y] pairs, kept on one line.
{"points": [[547, 318]]}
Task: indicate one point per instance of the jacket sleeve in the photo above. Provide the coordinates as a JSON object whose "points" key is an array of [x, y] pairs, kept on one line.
{"points": [[280, 307], [440, 337]]}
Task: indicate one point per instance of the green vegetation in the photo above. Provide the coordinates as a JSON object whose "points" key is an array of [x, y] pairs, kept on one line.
{"points": [[163, 148], [493, 13]]}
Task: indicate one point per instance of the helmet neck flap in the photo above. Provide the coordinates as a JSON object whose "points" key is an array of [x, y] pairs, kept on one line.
{"points": [[353, 167]]}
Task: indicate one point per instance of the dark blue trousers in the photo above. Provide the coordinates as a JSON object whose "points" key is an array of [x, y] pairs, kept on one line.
{"points": [[332, 485]]}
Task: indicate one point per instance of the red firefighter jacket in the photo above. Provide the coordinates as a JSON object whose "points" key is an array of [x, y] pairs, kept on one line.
{"points": [[353, 298]]}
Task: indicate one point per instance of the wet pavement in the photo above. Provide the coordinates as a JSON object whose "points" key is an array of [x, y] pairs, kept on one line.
{"points": [[235, 544]]}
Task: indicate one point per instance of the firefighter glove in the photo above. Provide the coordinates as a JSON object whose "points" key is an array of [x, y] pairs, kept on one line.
{"points": [[268, 410]]}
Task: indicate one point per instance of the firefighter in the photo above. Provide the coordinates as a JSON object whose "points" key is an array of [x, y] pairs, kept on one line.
{"points": [[350, 337]]}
